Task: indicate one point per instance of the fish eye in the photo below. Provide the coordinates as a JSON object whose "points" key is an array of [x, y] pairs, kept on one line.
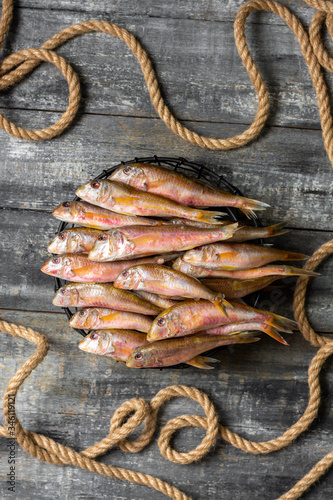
{"points": [[63, 291], [127, 170], [66, 204], [93, 336], [81, 313], [198, 248], [95, 184], [61, 236], [103, 237], [161, 322], [56, 260], [124, 273], [138, 356]]}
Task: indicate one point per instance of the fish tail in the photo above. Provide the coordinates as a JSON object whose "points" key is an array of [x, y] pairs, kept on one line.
{"points": [[295, 256], [201, 362], [246, 338], [282, 324], [296, 271], [248, 206], [272, 332], [210, 217], [278, 229], [250, 214], [220, 302]]}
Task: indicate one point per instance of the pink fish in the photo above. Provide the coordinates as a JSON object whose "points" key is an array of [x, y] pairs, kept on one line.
{"points": [[128, 242], [165, 182]]}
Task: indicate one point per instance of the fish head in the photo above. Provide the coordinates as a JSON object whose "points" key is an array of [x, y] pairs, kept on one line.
{"points": [[143, 357], [98, 342], [133, 175], [96, 191], [86, 318], [165, 325], [199, 255], [67, 211], [66, 241], [130, 279], [111, 245], [67, 296], [57, 266]]}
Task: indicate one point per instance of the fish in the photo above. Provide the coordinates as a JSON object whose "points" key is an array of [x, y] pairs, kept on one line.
{"points": [[78, 268], [102, 318], [163, 280], [125, 199], [178, 221], [236, 328], [154, 298], [102, 295], [174, 351], [171, 184], [192, 316], [88, 215], [122, 243], [242, 274], [236, 289], [74, 240], [118, 344], [237, 256], [246, 233], [113, 343]]}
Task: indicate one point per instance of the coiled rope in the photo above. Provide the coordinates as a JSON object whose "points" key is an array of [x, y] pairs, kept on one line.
{"points": [[17, 66], [134, 412]]}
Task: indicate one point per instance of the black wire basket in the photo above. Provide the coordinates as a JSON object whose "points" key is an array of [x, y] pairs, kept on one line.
{"points": [[189, 169]]}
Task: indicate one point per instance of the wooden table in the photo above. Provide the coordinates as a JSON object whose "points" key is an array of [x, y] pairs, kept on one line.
{"points": [[258, 390]]}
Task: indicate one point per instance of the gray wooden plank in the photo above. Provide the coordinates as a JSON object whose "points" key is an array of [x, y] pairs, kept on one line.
{"points": [[258, 391], [192, 9], [23, 250], [286, 168], [201, 74]]}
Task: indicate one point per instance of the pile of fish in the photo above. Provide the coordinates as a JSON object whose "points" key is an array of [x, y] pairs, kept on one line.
{"points": [[156, 276]]}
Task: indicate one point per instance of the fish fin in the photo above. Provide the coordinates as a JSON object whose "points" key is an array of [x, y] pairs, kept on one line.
{"points": [[296, 271], [210, 216], [277, 229], [200, 362], [246, 338], [295, 256], [248, 205], [220, 302], [272, 332], [250, 214], [282, 324]]}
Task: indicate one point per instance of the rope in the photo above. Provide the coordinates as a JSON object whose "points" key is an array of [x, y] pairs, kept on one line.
{"points": [[17, 66], [131, 414]]}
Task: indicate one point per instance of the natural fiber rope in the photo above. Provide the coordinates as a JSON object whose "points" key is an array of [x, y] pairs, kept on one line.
{"points": [[134, 412], [16, 66]]}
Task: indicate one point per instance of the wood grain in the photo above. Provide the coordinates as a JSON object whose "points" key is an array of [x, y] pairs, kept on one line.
{"points": [[198, 66]]}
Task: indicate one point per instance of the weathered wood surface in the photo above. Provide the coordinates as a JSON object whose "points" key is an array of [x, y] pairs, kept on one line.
{"points": [[287, 168], [72, 396], [259, 390], [198, 66]]}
